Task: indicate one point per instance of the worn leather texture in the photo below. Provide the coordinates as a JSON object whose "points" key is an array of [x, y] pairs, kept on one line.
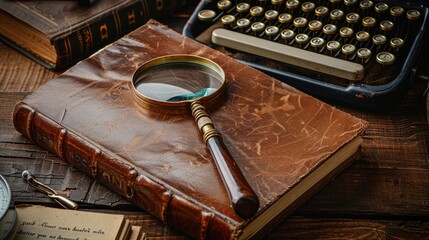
{"points": [[89, 117]]}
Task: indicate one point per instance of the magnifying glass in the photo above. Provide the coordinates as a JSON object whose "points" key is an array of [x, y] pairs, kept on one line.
{"points": [[179, 84]]}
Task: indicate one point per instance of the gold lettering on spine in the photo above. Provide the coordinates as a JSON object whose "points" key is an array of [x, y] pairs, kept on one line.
{"points": [[114, 181], [104, 33], [131, 18]]}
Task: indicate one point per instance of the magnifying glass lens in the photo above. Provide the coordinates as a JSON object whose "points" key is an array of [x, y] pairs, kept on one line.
{"points": [[178, 81]]}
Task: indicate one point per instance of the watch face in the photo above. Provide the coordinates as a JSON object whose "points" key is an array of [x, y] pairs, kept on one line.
{"points": [[7, 216]]}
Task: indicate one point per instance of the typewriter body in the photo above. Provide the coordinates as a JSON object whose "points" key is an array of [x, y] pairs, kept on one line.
{"points": [[358, 52]]}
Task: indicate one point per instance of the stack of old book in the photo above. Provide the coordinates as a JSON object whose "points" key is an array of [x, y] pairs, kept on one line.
{"points": [[286, 144], [57, 34]]}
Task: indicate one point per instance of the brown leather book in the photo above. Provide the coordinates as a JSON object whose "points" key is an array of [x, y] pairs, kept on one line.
{"points": [[60, 33], [286, 144]]}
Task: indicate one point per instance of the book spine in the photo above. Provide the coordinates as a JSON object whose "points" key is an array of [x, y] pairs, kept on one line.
{"points": [[174, 210], [81, 42]]}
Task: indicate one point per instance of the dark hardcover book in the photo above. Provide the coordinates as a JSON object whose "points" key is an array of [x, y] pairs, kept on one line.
{"points": [[57, 34], [287, 144]]}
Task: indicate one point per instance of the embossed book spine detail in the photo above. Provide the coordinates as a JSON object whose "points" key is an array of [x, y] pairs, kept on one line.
{"points": [[83, 41], [172, 209]]}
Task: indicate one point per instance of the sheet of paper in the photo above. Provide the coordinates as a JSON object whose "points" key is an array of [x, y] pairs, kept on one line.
{"points": [[43, 223]]}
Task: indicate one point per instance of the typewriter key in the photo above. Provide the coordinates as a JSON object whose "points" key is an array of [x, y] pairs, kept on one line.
{"points": [[292, 4], [352, 18], [317, 43], [308, 7], [366, 4], [242, 7], [362, 36], [227, 20], [364, 54], [329, 29], [257, 27], [333, 46], [300, 22], [271, 15], [385, 58], [346, 32], [386, 25], [396, 43], [224, 5], [379, 39], [315, 25], [302, 38], [206, 15], [369, 22], [287, 34], [181, 84], [321, 11], [271, 31], [350, 2], [413, 14], [243, 23], [381, 7], [348, 49], [285, 18], [277, 2], [396, 11], [336, 14], [256, 11]]}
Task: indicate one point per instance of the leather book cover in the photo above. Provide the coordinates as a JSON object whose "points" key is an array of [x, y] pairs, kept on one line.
{"points": [[57, 34], [287, 144]]}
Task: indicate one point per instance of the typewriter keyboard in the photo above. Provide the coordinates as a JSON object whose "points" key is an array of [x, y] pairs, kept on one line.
{"points": [[341, 38]]}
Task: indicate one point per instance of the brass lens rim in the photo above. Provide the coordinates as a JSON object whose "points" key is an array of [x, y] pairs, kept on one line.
{"points": [[180, 107]]}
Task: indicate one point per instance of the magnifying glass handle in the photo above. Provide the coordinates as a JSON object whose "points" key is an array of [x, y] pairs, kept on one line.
{"points": [[244, 200]]}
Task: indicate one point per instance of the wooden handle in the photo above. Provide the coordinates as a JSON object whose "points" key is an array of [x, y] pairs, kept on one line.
{"points": [[244, 200]]}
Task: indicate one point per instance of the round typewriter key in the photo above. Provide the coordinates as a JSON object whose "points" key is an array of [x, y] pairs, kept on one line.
{"points": [[335, 1], [346, 32], [381, 7], [285, 18], [300, 22], [227, 20], [271, 31], [292, 4], [277, 2], [366, 4], [333, 46], [317, 42], [352, 17], [379, 39], [302, 38], [364, 53], [348, 49], [224, 4], [413, 14], [257, 27], [362, 36], [321, 11], [386, 25], [287, 34], [315, 25], [396, 11], [256, 11], [271, 15], [243, 23], [336, 14], [350, 2], [308, 7], [329, 29], [385, 58], [396, 43], [369, 22], [181, 84], [206, 15], [242, 7]]}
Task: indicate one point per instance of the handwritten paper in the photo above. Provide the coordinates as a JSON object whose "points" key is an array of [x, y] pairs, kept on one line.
{"points": [[43, 223]]}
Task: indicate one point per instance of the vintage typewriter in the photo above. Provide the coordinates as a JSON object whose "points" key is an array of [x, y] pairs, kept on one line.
{"points": [[359, 52]]}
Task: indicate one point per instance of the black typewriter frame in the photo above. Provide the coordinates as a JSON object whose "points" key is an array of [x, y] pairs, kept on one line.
{"points": [[358, 95]]}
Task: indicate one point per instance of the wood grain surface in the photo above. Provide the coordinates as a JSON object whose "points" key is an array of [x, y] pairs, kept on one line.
{"points": [[384, 195]]}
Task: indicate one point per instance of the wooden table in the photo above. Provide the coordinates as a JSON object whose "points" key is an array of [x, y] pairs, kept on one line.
{"points": [[384, 195]]}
